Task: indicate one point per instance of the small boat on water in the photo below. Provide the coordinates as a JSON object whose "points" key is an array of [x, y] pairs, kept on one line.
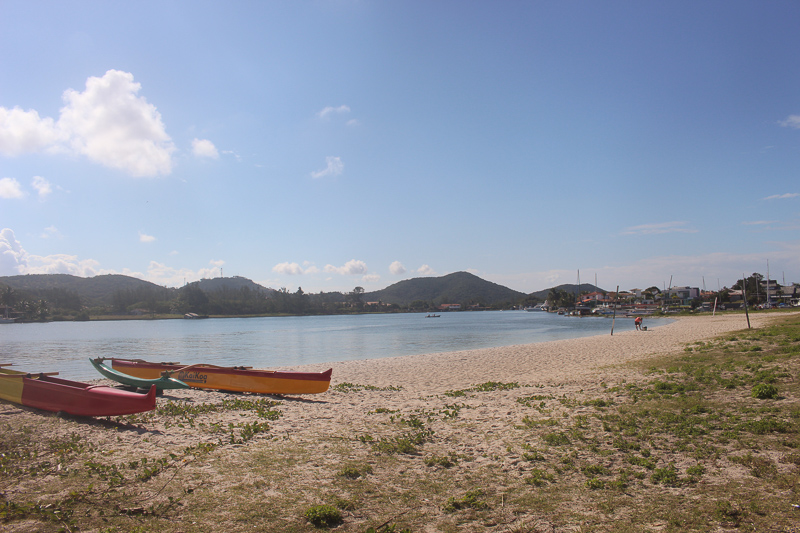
{"points": [[234, 379], [43, 391], [161, 383]]}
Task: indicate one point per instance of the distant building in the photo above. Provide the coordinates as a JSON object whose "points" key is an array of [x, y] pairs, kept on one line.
{"points": [[450, 307], [682, 295]]}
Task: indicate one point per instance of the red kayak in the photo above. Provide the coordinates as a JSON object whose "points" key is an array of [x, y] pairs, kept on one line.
{"points": [[48, 393]]}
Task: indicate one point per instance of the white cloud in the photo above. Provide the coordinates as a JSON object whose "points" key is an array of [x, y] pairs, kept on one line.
{"points": [[110, 125], [107, 122], [24, 132], [371, 278], [143, 237], [10, 189], [397, 268], [12, 256], [42, 186], [326, 112], [351, 268], [15, 260], [334, 168], [426, 270], [353, 123], [792, 121], [289, 269], [659, 228], [204, 148], [782, 196]]}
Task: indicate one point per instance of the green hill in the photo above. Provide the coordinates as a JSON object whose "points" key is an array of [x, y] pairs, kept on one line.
{"points": [[458, 288]]}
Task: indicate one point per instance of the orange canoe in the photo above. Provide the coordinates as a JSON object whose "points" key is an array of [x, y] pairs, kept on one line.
{"points": [[235, 379]]}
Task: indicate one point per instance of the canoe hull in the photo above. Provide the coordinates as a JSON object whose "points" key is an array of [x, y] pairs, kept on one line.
{"points": [[161, 383], [72, 397], [231, 379]]}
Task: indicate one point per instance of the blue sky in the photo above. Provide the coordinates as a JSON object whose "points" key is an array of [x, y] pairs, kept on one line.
{"points": [[334, 144]]}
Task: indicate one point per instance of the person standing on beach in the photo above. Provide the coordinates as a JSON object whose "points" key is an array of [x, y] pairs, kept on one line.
{"points": [[638, 323]]}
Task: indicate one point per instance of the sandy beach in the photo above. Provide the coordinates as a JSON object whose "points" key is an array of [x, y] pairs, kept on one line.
{"points": [[560, 362], [297, 463]]}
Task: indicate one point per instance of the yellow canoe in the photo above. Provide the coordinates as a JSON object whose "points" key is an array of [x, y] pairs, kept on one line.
{"points": [[236, 379]]}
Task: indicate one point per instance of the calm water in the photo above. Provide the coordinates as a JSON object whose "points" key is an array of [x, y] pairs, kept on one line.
{"points": [[65, 347]]}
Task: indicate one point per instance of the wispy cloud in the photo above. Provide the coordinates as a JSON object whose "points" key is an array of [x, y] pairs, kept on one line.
{"points": [[42, 187], [782, 196], [759, 222], [659, 228], [330, 110], [334, 168], [50, 232], [792, 121], [143, 237]]}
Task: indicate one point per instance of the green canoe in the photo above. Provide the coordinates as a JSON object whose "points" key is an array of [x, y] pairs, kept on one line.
{"points": [[160, 383]]}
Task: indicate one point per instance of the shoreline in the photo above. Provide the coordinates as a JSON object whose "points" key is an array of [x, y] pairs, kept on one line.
{"points": [[565, 361]]}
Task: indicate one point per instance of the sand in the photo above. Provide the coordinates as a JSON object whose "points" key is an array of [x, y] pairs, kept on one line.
{"points": [[321, 424]]}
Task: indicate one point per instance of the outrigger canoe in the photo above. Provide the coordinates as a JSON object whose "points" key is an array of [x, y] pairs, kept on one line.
{"points": [[161, 383], [235, 379], [43, 391]]}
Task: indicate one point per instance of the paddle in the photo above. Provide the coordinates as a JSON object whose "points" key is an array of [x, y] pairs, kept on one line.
{"points": [[28, 375]]}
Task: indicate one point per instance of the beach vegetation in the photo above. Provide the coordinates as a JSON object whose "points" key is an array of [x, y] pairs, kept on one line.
{"points": [[538, 477], [765, 391], [472, 499], [355, 471], [323, 516], [346, 387], [445, 461]]}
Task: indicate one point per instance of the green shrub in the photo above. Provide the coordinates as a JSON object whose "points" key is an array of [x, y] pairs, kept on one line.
{"points": [[472, 500], [539, 477], [765, 391], [324, 516]]}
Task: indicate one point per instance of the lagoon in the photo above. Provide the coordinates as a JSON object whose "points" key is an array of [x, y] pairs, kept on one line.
{"points": [[267, 342]]}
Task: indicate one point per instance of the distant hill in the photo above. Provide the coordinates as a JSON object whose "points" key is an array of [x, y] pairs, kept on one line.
{"points": [[571, 288], [459, 287], [98, 290], [235, 283]]}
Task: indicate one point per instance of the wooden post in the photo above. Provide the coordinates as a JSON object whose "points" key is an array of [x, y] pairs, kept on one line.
{"points": [[614, 316], [744, 297]]}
